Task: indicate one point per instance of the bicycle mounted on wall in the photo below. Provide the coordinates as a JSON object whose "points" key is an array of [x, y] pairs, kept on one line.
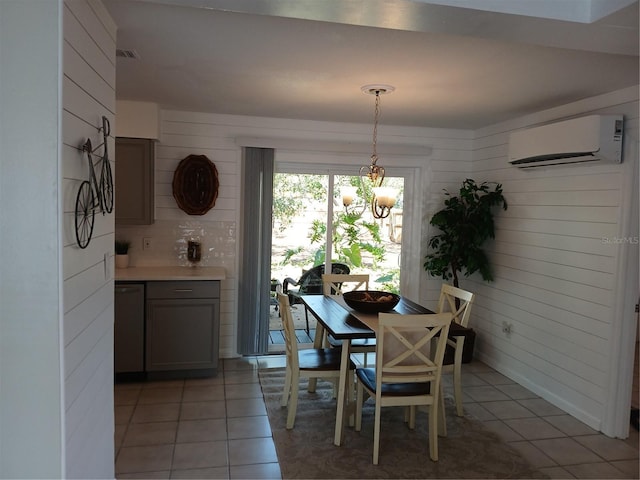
{"points": [[94, 194]]}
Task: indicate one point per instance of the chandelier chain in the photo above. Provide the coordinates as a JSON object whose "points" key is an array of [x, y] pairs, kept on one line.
{"points": [[374, 156]]}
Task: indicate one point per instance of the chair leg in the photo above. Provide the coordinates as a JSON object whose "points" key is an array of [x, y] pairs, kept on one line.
{"points": [[412, 417], [287, 388], [359, 402], [433, 431], [293, 403], [306, 316], [457, 375], [376, 434], [442, 419]]}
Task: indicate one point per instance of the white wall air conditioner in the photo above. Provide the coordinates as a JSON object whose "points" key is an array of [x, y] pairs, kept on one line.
{"points": [[585, 139]]}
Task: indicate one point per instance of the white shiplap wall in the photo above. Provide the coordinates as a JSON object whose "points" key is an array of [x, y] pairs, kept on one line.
{"points": [[88, 94], [558, 273], [447, 156]]}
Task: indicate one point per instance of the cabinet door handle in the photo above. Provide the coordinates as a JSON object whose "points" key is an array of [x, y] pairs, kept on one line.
{"points": [[183, 290], [126, 290]]}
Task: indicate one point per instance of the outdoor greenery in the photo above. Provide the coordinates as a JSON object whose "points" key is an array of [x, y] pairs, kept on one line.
{"points": [[356, 237], [465, 224]]}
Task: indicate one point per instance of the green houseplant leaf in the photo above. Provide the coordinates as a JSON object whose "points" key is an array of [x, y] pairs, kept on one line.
{"points": [[465, 223]]}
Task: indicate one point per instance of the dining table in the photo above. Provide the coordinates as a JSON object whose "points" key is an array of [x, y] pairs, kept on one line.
{"points": [[343, 323]]}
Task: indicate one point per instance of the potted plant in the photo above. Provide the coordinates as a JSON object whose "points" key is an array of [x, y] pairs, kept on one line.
{"points": [[465, 223], [122, 253]]}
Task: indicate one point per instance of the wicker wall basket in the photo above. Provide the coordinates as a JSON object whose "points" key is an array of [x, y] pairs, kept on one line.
{"points": [[195, 185]]}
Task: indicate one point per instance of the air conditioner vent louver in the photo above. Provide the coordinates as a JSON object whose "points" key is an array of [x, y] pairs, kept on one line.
{"points": [[586, 139], [122, 53]]}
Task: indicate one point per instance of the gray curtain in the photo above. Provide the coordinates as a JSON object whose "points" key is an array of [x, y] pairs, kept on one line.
{"points": [[254, 286]]}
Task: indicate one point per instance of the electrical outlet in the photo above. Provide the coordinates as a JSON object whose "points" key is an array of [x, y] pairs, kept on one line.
{"points": [[507, 328], [146, 243]]}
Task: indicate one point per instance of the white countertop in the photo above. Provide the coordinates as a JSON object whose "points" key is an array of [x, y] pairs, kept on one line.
{"points": [[169, 273]]}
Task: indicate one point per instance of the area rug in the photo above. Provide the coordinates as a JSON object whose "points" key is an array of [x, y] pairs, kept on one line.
{"points": [[307, 451]]}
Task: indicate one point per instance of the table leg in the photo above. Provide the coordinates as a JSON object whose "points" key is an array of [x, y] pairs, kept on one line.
{"points": [[342, 390], [317, 343]]}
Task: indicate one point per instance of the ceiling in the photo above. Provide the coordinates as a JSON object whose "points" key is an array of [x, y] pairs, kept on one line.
{"points": [[452, 66]]}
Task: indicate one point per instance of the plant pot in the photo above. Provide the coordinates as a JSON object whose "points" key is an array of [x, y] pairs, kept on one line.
{"points": [[122, 261]]}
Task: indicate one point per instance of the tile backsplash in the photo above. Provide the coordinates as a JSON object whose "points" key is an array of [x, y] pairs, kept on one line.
{"points": [[169, 240]]}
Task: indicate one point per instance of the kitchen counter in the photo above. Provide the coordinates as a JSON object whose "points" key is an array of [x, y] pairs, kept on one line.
{"points": [[169, 273]]}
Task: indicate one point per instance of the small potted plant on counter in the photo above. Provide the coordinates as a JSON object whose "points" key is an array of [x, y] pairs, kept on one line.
{"points": [[122, 253]]}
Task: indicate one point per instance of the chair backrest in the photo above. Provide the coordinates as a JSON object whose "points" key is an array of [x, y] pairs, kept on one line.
{"points": [[290, 340], [404, 352], [334, 284], [447, 303], [311, 281]]}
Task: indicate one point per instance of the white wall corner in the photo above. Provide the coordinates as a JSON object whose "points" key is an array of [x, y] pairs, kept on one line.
{"points": [[137, 119]]}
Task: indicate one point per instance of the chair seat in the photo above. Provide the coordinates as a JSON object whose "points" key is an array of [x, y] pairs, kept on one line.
{"points": [[320, 359], [368, 378], [359, 342]]}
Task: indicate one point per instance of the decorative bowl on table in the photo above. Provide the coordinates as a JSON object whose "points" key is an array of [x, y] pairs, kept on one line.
{"points": [[371, 301]]}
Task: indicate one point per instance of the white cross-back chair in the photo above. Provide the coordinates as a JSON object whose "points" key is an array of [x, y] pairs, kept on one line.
{"points": [[409, 354], [311, 363], [337, 284], [447, 303]]}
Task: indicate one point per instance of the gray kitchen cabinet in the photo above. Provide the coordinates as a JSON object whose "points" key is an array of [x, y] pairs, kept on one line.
{"points": [[129, 328], [134, 181], [183, 324]]}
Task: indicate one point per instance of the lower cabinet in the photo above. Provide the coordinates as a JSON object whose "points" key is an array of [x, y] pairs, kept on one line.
{"points": [[182, 327], [128, 332]]}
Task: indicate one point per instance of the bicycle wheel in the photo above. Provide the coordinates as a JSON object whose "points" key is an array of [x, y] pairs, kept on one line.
{"points": [[84, 214], [106, 185]]}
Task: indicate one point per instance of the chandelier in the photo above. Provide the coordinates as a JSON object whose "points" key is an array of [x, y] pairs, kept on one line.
{"points": [[384, 198]]}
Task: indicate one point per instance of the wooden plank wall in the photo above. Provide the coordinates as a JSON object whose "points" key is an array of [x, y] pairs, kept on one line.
{"points": [[88, 94], [557, 264]]}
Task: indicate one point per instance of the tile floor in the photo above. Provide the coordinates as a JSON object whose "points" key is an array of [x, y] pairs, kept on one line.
{"points": [[218, 427]]}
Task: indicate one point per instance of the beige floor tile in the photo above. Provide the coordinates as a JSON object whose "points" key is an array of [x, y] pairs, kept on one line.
{"points": [[200, 455], [556, 472], [126, 396], [507, 409], [494, 378], [486, 393], [244, 363], [144, 459], [163, 383], [248, 427], [541, 407], [569, 425], [123, 414], [200, 410], [252, 450], [161, 412], [600, 470], [156, 433], [206, 381], [536, 457], [477, 411], [203, 393], [608, 448], [209, 430], [260, 471], [566, 451], [631, 468], [534, 428], [215, 473], [160, 395], [246, 407], [468, 380], [243, 377], [501, 429], [243, 390], [516, 392], [150, 475]]}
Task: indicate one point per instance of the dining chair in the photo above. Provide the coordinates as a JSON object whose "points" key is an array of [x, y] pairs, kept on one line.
{"points": [[337, 284], [408, 371], [311, 363], [458, 302]]}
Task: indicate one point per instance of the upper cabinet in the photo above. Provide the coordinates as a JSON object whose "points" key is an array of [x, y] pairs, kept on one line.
{"points": [[134, 181]]}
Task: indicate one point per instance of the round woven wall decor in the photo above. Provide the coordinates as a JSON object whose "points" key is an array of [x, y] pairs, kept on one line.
{"points": [[195, 184]]}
